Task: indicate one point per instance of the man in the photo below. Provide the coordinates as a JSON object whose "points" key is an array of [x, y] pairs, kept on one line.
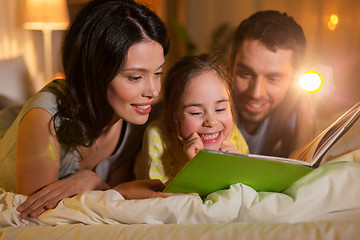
{"points": [[273, 115]]}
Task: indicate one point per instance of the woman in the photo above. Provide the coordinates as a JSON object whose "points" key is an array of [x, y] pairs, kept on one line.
{"points": [[76, 134]]}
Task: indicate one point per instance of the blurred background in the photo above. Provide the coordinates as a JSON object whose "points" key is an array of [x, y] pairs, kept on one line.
{"points": [[332, 29]]}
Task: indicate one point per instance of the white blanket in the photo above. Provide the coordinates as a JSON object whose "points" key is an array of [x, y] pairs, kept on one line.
{"points": [[330, 193]]}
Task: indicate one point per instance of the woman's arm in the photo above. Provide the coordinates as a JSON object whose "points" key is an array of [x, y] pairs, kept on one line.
{"points": [[37, 167], [37, 152]]}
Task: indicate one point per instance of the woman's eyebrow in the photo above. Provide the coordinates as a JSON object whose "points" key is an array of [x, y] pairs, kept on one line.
{"points": [[161, 65], [141, 69]]}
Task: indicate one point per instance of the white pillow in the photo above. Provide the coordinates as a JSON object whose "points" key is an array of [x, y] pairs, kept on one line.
{"points": [[15, 79]]}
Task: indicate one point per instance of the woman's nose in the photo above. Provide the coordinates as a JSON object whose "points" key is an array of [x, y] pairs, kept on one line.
{"points": [[153, 88]]}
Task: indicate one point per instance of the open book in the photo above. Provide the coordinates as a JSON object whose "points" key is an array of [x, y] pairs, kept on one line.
{"points": [[210, 171]]}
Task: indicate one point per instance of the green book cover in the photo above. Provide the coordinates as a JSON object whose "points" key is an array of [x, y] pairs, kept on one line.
{"points": [[210, 171]]}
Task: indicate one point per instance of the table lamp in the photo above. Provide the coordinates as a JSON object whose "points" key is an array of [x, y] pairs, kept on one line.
{"points": [[46, 15]]}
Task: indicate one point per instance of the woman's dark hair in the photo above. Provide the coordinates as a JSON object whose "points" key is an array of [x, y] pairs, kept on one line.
{"points": [[179, 76], [94, 51], [275, 30]]}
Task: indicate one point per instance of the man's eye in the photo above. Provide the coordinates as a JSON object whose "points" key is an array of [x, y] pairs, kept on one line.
{"points": [[246, 75], [273, 79]]}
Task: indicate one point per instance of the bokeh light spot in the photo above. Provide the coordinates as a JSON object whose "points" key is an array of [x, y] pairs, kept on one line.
{"points": [[311, 81]]}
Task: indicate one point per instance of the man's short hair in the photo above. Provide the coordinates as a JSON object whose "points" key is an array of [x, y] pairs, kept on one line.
{"points": [[275, 30]]}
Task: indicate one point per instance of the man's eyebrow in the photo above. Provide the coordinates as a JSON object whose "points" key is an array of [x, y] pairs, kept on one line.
{"points": [[276, 74], [270, 74], [244, 66]]}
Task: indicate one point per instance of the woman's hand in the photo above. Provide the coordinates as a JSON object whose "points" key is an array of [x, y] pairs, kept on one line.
{"points": [[49, 196], [143, 189], [228, 146]]}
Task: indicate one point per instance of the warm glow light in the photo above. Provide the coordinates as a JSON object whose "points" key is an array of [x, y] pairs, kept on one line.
{"points": [[334, 19], [331, 26], [311, 81], [46, 14]]}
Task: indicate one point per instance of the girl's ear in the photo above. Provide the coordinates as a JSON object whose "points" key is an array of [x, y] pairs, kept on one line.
{"points": [[178, 131]]}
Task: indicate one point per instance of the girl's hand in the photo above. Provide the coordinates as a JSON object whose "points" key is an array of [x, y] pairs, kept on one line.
{"points": [[49, 196], [228, 146], [143, 189], [192, 144]]}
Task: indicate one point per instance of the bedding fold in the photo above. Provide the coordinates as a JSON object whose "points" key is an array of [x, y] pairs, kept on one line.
{"points": [[329, 193]]}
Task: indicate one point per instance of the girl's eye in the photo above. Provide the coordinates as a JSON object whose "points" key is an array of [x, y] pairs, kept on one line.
{"points": [[195, 113], [220, 110]]}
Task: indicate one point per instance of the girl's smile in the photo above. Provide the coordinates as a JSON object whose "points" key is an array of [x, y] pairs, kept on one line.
{"points": [[210, 138]]}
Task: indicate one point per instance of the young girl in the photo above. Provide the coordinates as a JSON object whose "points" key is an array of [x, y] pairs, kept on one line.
{"points": [[78, 133], [198, 114]]}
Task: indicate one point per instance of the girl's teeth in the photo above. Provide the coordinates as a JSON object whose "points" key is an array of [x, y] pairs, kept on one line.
{"points": [[210, 136], [143, 107]]}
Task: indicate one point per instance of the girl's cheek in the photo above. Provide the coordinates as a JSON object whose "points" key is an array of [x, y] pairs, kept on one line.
{"points": [[228, 125], [189, 126]]}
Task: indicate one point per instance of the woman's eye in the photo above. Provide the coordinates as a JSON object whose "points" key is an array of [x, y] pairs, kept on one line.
{"points": [[159, 73], [135, 78]]}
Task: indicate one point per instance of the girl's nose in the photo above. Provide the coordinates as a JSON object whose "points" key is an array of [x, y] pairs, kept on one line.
{"points": [[209, 121]]}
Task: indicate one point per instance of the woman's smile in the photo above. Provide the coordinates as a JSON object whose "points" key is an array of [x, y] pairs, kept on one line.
{"points": [[143, 108]]}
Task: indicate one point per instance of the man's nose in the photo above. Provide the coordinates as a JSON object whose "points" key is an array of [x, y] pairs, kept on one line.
{"points": [[258, 88]]}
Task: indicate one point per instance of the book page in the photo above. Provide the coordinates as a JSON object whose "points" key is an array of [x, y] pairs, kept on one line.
{"points": [[316, 149], [279, 159]]}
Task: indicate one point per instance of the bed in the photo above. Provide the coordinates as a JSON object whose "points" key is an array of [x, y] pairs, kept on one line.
{"points": [[322, 205]]}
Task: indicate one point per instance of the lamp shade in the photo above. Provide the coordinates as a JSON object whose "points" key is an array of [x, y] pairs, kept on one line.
{"points": [[46, 14]]}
